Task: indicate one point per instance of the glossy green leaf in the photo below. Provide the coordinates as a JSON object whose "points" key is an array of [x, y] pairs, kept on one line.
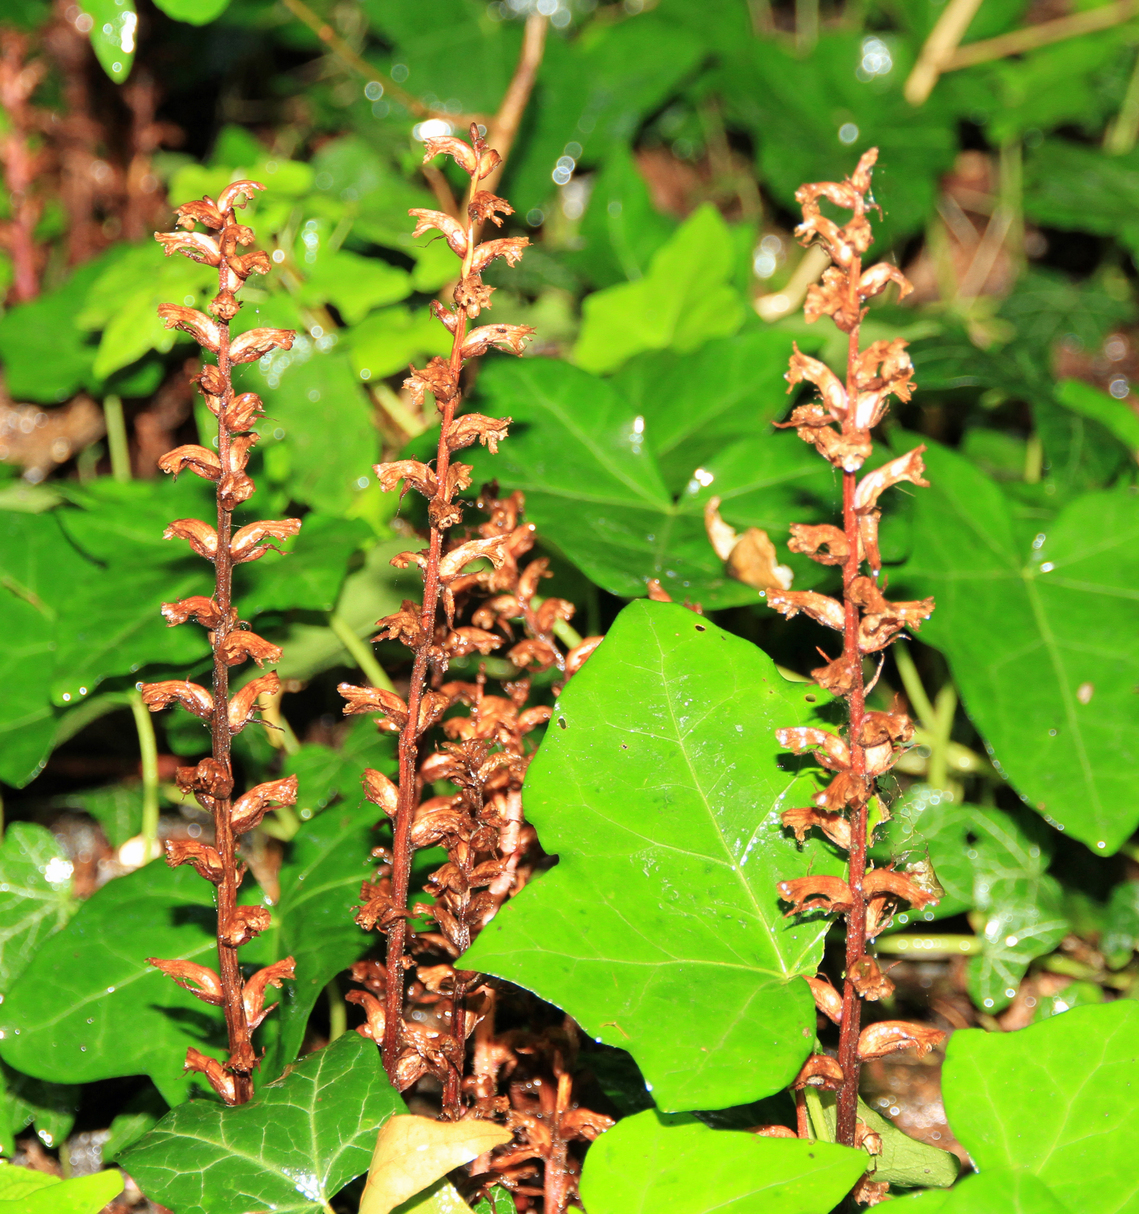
{"points": [[353, 283], [583, 455], [114, 31], [1113, 414], [1121, 933], [389, 339], [35, 896], [660, 928], [682, 301], [989, 862], [1007, 1190], [620, 227], [51, 1107], [1057, 1099], [903, 1162], [813, 118], [311, 577], [194, 12], [89, 1007], [315, 399], [290, 1149], [1031, 632], [116, 807], [16, 1182], [81, 1195], [596, 91], [320, 886], [654, 1162], [46, 356]]}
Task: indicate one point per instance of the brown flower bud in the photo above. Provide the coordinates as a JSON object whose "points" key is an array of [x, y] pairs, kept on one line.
{"points": [[204, 860], [193, 698], [216, 1075], [251, 807]]}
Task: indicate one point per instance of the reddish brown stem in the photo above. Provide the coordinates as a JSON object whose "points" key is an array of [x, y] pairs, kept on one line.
{"points": [[229, 970], [410, 734], [17, 81], [847, 1110]]}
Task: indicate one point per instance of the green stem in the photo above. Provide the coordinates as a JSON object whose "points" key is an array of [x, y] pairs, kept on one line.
{"points": [[117, 438], [1122, 131], [930, 946], [1011, 191], [337, 1011], [1033, 460], [148, 749], [563, 629], [911, 681], [806, 25], [362, 652], [817, 1115], [944, 712]]}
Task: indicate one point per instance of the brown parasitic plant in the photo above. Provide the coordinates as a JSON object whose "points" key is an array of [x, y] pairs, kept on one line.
{"points": [[839, 425], [211, 781], [442, 570]]}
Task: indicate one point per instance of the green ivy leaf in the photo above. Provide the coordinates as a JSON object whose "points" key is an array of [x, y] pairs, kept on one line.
{"points": [[1009, 1190], [654, 1162], [389, 339], [116, 807], [50, 1106], [320, 885], [684, 300], [1121, 930], [89, 1007], [290, 1149], [989, 862], [82, 1195], [1030, 630], [353, 283], [35, 896], [660, 928], [1057, 1100], [1113, 415], [193, 12], [114, 35], [584, 457], [311, 578], [17, 1182]]}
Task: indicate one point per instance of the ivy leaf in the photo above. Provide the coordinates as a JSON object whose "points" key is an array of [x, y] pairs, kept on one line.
{"points": [[660, 928], [684, 300], [114, 31], [1031, 632], [389, 339], [50, 1106], [89, 1007], [1056, 1099], [320, 884], [654, 1161], [990, 862], [1010, 1190], [1114, 415], [290, 1149], [583, 455], [35, 896], [1121, 929], [116, 807], [193, 12], [81, 1195], [311, 577]]}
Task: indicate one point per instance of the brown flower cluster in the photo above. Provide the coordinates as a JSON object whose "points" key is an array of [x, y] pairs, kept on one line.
{"points": [[211, 781], [839, 424]]}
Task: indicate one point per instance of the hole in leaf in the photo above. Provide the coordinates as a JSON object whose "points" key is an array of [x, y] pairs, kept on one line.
{"points": [[562, 722], [701, 628]]}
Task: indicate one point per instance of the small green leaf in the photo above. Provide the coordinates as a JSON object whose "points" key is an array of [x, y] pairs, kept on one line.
{"points": [[389, 339], [19, 1182], [82, 1195], [89, 1007], [320, 885], [1007, 1190], [290, 1149], [193, 12], [114, 33], [653, 829], [987, 861], [1121, 930], [1114, 415], [117, 808], [35, 896], [684, 300], [1056, 1099], [1030, 627], [353, 283], [654, 1162], [311, 578]]}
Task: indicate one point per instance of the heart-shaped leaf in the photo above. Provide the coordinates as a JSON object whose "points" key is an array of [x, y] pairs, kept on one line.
{"points": [[89, 1006], [1031, 629], [320, 884], [659, 785], [35, 896], [290, 1149], [1057, 1099], [654, 1162], [583, 453]]}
